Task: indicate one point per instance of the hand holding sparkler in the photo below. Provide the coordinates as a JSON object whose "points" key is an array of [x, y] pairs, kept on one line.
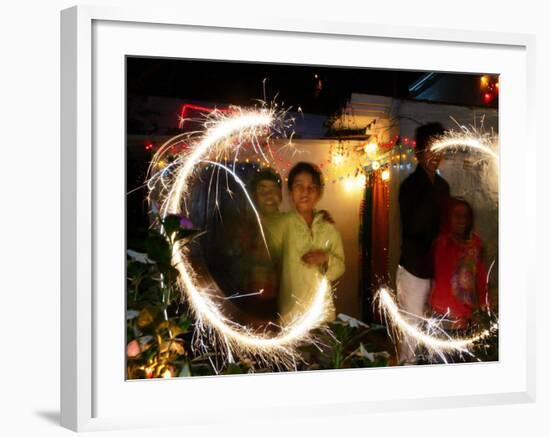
{"points": [[315, 257]]}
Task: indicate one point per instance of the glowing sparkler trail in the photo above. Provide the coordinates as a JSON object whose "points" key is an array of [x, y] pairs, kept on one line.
{"points": [[463, 140], [471, 138], [226, 133], [250, 201], [244, 124], [438, 345]]}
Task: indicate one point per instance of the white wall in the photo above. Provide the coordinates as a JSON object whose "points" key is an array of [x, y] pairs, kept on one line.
{"points": [[29, 223]]}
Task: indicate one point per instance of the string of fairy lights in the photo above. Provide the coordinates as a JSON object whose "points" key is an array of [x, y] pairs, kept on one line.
{"points": [[347, 162], [351, 165], [344, 163]]}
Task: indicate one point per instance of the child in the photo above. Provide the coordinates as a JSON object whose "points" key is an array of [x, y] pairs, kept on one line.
{"points": [[262, 275], [310, 246], [460, 276], [251, 263]]}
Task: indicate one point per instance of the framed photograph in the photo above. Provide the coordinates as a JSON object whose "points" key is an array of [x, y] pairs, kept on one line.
{"points": [[283, 218]]}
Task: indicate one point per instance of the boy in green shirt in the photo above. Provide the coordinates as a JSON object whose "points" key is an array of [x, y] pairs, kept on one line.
{"points": [[306, 244]]}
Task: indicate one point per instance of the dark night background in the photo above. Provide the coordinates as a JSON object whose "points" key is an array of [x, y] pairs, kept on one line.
{"points": [[317, 90]]}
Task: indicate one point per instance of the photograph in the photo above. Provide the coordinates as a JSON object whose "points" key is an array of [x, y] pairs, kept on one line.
{"points": [[287, 217]]}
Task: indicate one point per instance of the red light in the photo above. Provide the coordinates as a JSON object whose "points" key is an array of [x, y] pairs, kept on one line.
{"points": [[487, 97], [190, 107]]}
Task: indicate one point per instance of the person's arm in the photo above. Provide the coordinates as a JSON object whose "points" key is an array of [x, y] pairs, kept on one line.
{"points": [[405, 201], [327, 217], [331, 259], [481, 283], [336, 259], [408, 209], [275, 230]]}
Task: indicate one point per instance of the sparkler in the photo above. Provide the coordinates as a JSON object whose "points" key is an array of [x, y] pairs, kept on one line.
{"points": [[225, 135], [470, 139], [467, 140], [479, 143], [430, 333]]}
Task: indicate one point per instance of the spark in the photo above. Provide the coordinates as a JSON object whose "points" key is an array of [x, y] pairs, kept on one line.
{"points": [[239, 295]]}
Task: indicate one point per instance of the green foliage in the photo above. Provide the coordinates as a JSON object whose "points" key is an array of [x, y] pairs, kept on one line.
{"points": [[235, 369], [348, 346], [157, 322], [158, 249]]}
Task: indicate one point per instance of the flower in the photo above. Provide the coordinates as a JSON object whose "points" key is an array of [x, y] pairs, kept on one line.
{"points": [[133, 349], [186, 223]]}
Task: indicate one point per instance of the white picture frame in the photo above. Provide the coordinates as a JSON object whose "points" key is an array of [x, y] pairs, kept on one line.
{"points": [[93, 394]]}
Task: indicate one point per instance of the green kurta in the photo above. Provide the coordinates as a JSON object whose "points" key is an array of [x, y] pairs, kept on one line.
{"points": [[290, 239]]}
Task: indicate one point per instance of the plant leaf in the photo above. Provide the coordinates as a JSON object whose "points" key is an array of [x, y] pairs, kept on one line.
{"points": [[158, 249], [171, 224]]}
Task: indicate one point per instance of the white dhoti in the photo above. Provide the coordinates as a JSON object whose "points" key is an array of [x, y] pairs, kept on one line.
{"points": [[412, 296]]}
